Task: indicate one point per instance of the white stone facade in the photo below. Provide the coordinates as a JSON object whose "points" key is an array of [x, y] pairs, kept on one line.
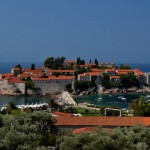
{"points": [[5, 86], [147, 78]]}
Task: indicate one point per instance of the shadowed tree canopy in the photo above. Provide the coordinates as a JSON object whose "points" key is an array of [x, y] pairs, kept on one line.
{"points": [[141, 107], [54, 63], [28, 131], [33, 67], [133, 138]]}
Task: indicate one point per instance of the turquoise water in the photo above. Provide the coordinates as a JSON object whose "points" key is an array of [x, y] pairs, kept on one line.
{"points": [[119, 100], [18, 100]]}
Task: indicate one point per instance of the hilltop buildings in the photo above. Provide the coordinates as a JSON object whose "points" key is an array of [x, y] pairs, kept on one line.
{"points": [[52, 81]]}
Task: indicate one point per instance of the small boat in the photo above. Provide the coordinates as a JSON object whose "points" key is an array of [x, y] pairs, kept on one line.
{"points": [[123, 98], [99, 100], [120, 97]]}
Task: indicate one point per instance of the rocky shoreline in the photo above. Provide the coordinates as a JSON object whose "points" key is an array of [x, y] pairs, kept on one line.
{"points": [[90, 91], [125, 91], [113, 91]]}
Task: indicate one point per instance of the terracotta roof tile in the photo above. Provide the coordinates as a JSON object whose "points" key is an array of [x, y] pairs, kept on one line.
{"points": [[71, 61], [55, 78], [102, 121], [83, 130], [62, 71], [15, 80], [93, 73], [89, 129], [28, 70], [24, 75], [110, 70], [139, 73], [115, 77], [125, 70], [146, 120], [16, 69]]}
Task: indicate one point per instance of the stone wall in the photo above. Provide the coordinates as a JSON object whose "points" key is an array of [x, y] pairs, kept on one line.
{"points": [[10, 88], [51, 87]]}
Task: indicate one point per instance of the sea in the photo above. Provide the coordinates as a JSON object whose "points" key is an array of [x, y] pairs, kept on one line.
{"points": [[119, 100]]}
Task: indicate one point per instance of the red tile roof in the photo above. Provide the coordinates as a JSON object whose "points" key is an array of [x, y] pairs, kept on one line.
{"points": [[15, 80], [55, 78], [102, 121], [82, 130], [114, 77], [85, 65], [138, 73], [110, 70], [24, 75], [93, 73], [62, 71], [125, 70], [28, 70], [16, 69], [7, 76], [89, 129], [81, 75], [71, 61], [122, 73], [96, 70], [146, 121]]}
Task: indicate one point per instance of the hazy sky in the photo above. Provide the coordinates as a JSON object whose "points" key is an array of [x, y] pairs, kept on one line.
{"points": [[110, 30]]}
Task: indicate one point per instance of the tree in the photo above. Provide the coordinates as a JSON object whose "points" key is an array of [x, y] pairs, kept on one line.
{"points": [[125, 66], [140, 106], [80, 61], [49, 61], [16, 72], [33, 67], [86, 111], [54, 106], [96, 62], [129, 80], [90, 61], [54, 63], [130, 138], [84, 85], [27, 131], [18, 66], [12, 105], [29, 84]]}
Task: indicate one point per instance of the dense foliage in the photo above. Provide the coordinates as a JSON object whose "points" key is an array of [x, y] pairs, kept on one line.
{"points": [[33, 67], [18, 66], [129, 80], [133, 138], [54, 63], [141, 107], [126, 81], [80, 61], [84, 85], [27, 131], [125, 66], [29, 84]]}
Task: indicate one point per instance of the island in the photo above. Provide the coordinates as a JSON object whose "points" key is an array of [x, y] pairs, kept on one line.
{"points": [[75, 76]]}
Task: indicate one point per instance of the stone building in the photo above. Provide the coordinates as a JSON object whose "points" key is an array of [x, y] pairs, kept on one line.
{"points": [[52, 84], [147, 78], [10, 86]]}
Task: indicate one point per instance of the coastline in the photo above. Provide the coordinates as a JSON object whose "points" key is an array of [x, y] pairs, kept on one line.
{"points": [[56, 96]]}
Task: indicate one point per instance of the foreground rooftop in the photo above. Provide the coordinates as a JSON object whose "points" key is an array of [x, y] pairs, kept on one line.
{"points": [[102, 121]]}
